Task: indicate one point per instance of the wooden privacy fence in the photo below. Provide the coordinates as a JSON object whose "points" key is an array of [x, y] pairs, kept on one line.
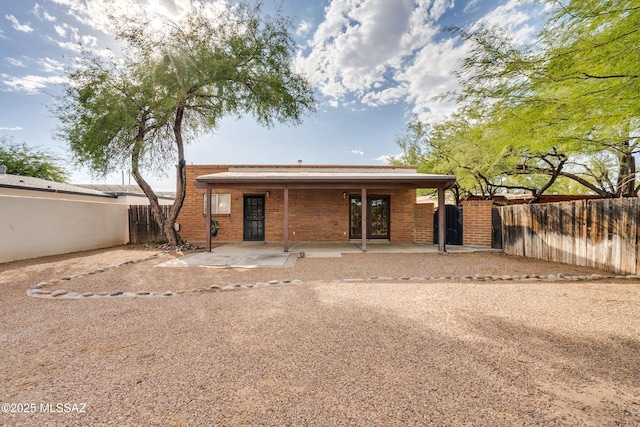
{"points": [[601, 234], [142, 226]]}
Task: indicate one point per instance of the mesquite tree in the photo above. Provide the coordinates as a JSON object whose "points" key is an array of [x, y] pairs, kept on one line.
{"points": [[562, 112], [20, 159], [169, 86]]}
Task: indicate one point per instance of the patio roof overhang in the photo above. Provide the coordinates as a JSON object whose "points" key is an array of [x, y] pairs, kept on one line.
{"points": [[324, 180], [328, 178]]}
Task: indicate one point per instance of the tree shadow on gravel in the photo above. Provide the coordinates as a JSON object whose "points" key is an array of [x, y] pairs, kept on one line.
{"points": [[595, 380]]}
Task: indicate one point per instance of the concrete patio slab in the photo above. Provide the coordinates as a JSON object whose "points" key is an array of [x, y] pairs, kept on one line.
{"points": [[214, 259], [270, 255]]}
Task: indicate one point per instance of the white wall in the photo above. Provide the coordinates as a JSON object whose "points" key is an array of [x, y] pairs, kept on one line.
{"points": [[23, 192], [123, 198], [31, 227], [141, 199]]}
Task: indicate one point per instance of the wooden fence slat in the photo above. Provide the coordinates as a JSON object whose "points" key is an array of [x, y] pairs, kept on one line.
{"points": [[142, 225], [601, 234]]}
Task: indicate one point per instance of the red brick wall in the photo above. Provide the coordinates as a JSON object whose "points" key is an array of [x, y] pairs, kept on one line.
{"points": [[402, 214], [192, 221], [476, 222], [423, 219], [314, 215]]}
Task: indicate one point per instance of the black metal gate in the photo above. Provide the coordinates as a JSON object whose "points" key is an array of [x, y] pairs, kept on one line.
{"points": [[496, 229], [253, 218], [453, 216]]}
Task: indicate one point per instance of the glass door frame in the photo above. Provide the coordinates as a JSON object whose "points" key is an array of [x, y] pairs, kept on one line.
{"points": [[355, 215]]}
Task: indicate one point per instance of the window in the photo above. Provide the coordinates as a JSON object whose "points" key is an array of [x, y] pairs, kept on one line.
{"points": [[220, 204]]}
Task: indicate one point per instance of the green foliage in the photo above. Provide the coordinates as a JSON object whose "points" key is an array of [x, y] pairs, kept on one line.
{"points": [[175, 83], [562, 111], [20, 159], [184, 80]]}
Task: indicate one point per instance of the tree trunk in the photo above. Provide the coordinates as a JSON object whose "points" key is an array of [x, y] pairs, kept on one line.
{"points": [[166, 224], [626, 172], [181, 178], [537, 195]]}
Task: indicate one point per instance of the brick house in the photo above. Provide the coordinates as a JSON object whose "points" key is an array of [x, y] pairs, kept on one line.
{"points": [[298, 203]]}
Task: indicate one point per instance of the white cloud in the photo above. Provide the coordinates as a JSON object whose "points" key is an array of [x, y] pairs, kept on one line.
{"points": [[30, 84], [381, 52], [513, 18], [51, 65], [60, 30], [48, 17], [471, 6], [43, 14], [385, 158], [5, 128], [439, 7], [72, 46], [359, 42], [25, 28], [15, 62], [89, 41], [429, 75], [75, 40], [95, 13], [357, 152], [303, 28]]}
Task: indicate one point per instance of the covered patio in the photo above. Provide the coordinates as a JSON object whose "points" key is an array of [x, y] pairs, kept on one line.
{"points": [[344, 179]]}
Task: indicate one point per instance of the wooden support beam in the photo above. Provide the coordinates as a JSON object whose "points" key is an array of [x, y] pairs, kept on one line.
{"points": [[208, 209], [442, 222], [363, 215], [286, 219]]}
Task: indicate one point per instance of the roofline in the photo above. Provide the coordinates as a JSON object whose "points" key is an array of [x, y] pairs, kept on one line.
{"points": [[300, 166], [53, 190], [127, 193]]}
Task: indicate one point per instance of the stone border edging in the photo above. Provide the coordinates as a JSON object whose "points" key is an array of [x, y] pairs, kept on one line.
{"points": [[39, 291]]}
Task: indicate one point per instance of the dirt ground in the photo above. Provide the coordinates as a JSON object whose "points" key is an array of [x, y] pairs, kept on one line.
{"points": [[355, 343]]}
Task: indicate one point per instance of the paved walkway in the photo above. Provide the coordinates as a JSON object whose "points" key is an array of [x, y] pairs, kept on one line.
{"points": [[251, 255]]}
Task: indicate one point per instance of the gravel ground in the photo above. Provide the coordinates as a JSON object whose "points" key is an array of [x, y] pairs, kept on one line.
{"points": [[396, 352]]}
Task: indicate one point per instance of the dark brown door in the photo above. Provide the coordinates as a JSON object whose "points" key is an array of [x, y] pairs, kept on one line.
{"points": [[378, 218], [253, 218]]}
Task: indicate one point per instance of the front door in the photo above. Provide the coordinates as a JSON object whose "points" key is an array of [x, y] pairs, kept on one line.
{"points": [[253, 218], [378, 220]]}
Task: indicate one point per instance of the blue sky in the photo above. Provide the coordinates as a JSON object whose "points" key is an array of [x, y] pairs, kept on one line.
{"points": [[373, 63]]}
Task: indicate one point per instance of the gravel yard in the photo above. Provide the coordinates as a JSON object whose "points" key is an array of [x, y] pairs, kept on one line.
{"points": [[340, 348]]}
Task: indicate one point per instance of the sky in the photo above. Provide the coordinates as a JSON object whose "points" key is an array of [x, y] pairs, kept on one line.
{"points": [[373, 64]]}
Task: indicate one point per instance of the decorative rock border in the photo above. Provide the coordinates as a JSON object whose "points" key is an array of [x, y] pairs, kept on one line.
{"points": [[39, 291]]}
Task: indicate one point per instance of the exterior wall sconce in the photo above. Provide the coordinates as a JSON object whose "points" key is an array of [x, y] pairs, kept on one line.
{"points": [[267, 194], [344, 195]]}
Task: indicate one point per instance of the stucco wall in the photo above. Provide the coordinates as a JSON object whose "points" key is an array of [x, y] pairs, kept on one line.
{"points": [[31, 227], [140, 200]]}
